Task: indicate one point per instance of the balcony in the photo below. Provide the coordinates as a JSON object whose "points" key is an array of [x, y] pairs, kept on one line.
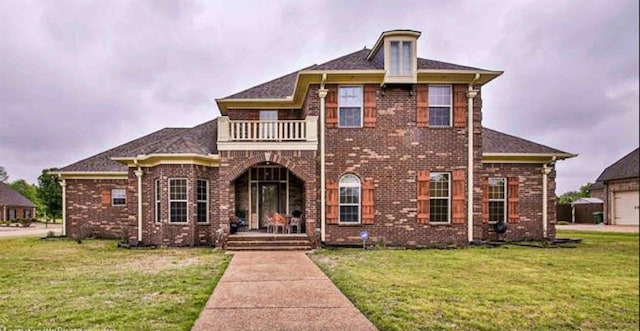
{"points": [[268, 135]]}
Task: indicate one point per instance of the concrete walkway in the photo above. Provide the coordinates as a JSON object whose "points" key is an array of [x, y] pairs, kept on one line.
{"points": [[278, 291], [36, 229], [599, 228]]}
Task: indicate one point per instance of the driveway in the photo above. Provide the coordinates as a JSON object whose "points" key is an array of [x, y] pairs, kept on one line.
{"points": [[36, 229], [599, 228], [278, 291]]}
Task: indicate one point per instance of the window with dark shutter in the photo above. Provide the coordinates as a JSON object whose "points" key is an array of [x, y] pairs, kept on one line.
{"points": [[422, 103], [513, 193], [423, 196], [459, 106], [332, 202], [331, 106], [458, 196], [368, 198]]}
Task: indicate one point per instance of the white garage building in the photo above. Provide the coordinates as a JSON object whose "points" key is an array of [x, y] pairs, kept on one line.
{"points": [[619, 187]]}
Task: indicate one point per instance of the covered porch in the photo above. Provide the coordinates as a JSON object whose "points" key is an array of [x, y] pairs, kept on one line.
{"points": [[264, 189]]}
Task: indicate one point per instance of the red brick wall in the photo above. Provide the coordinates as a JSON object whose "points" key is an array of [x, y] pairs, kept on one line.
{"points": [[529, 227], [84, 208], [171, 234], [391, 154]]}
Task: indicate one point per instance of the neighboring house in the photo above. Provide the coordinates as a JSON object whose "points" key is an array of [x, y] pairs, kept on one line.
{"points": [[375, 140], [14, 205], [619, 186]]}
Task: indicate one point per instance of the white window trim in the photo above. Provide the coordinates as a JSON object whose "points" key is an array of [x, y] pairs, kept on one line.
{"points": [[450, 105], [439, 198], [125, 197], [170, 201], [340, 204], [401, 58], [157, 196], [504, 199], [206, 201], [361, 107]]}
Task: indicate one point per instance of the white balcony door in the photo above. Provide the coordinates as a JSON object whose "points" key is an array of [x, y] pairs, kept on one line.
{"points": [[268, 124]]}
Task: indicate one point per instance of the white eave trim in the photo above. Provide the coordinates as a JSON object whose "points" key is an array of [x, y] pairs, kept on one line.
{"points": [[524, 157], [91, 174]]}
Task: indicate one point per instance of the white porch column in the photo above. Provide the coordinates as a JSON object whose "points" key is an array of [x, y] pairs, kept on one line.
{"points": [[471, 94], [63, 184], [223, 128], [139, 176], [311, 123], [322, 93]]}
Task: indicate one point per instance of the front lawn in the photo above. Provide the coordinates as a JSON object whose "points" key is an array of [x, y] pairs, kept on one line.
{"points": [[591, 287], [62, 284]]}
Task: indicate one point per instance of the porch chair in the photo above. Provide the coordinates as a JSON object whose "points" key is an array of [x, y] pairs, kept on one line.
{"points": [[279, 221], [296, 221]]}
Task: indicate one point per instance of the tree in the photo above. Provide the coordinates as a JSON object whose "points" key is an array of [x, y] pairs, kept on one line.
{"points": [[572, 196], [29, 191], [50, 193], [4, 177]]}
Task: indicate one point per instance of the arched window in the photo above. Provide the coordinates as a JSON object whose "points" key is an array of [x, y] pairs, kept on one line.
{"points": [[349, 199]]}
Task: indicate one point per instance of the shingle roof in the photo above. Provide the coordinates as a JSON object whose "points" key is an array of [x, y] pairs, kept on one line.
{"points": [[498, 142], [197, 140], [626, 167], [10, 197], [283, 87]]}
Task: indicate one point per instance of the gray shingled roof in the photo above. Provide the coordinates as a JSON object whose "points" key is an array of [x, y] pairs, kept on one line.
{"points": [[197, 140], [498, 142], [283, 86], [626, 167], [10, 197]]}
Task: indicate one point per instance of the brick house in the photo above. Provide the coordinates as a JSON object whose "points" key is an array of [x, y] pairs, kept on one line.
{"points": [[14, 205], [377, 140], [619, 187]]}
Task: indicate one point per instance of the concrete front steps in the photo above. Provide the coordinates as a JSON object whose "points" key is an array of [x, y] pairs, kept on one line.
{"points": [[268, 242]]}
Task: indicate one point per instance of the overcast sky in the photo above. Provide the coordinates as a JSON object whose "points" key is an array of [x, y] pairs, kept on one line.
{"points": [[80, 77]]}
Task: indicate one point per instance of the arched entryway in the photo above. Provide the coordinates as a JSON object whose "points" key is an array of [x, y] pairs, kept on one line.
{"points": [[264, 189]]}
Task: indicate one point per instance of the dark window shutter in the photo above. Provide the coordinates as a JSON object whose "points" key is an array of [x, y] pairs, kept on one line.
{"points": [[423, 196], [422, 103], [106, 196], [458, 196], [332, 202], [513, 199], [459, 106], [331, 106], [370, 108], [368, 198], [485, 198]]}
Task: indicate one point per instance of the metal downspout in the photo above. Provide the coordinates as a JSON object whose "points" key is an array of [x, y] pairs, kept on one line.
{"points": [[322, 93], [471, 94], [138, 174]]}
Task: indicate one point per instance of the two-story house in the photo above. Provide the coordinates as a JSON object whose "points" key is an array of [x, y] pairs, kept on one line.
{"points": [[378, 140]]}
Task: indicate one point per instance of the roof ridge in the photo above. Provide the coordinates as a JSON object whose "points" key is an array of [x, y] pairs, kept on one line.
{"points": [[450, 63], [620, 160], [343, 56]]}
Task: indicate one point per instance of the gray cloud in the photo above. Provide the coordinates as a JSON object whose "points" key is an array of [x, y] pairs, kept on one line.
{"points": [[78, 77]]}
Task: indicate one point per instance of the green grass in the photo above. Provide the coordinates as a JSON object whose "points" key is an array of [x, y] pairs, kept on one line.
{"points": [[62, 284], [591, 287]]}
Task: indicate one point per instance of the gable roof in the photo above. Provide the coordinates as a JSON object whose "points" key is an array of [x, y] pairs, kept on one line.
{"points": [[283, 87], [199, 139], [626, 167], [495, 142], [11, 197]]}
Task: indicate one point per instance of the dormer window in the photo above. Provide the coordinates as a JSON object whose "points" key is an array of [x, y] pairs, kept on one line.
{"points": [[396, 50], [401, 58]]}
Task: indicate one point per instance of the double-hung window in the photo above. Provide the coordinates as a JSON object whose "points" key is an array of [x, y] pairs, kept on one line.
{"points": [[439, 105], [497, 200], [178, 199], [401, 58], [157, 195], [118, 197], [440, 197], [349, 199], [202, 201], [350, 106]]}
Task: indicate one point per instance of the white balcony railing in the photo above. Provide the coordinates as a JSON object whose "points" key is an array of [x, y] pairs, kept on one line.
{"points": [[268, 131]]}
